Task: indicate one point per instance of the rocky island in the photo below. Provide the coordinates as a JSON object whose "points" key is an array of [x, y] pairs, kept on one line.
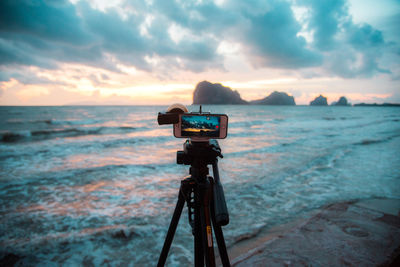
{"points": [[341, 102], [215, 93], [377, 105], [319, 101], [275, 98]]}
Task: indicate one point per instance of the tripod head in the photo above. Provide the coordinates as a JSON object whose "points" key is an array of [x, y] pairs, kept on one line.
{"points": [[199, 152], [198, 155]]}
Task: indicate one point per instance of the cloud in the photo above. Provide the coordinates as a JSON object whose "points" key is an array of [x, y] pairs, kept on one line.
{"points": [[44, 33], [350, 50], [13, 51], [28, 76], [43, 19], [267, 30], [271, 39], [325, 20], [47, 34]]}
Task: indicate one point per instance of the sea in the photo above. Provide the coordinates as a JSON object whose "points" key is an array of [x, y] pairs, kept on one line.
{"points": [[97, 185]]}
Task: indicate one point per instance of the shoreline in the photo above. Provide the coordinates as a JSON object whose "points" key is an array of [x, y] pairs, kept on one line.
{"points": [[354, 233]]}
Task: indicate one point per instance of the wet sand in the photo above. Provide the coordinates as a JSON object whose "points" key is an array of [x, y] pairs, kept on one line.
{"points": [[355, 233]]}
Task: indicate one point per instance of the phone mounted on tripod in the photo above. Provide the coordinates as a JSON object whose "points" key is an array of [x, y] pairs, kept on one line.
{"points": [[198, 126], [203, 193]]}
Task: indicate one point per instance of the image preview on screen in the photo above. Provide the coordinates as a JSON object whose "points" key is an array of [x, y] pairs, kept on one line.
{"points": [[204, 125]]}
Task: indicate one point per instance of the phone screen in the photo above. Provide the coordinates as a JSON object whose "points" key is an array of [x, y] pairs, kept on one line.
{"points": [[200, 126]]}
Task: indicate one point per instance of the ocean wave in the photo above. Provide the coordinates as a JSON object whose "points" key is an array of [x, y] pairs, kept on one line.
{"points": [[340, 118], [107, 233], [9, 137], [37, 135], [370, 123], [273, 148], [53, 122], [376, 141], [370, 141], [89, 173], [69, 122]]}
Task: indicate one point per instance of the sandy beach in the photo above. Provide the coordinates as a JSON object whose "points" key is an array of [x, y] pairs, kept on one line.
{"points": [[355, 233]]}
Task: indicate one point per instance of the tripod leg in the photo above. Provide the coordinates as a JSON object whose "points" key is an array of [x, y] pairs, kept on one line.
{"points": [[198, 235], [172, 229], [219, 236], [206, 230]]}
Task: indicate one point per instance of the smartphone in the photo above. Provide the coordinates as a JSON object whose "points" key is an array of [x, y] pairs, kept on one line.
{"points": [[201, 126]]}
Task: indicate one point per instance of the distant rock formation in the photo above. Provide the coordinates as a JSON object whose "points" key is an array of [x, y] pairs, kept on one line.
{"points": [[215, 93], [319, 101], [377, 105], [275, 98], [341, 102]]}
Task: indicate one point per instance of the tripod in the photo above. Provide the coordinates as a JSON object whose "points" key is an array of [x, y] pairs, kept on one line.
{"points": [[205, 201]]}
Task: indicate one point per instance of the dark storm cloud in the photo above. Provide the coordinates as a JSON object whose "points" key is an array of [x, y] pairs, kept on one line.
{"points": [[46, 33]]}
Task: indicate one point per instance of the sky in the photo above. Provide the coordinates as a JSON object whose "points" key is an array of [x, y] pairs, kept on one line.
{"points": [[154, 52]]}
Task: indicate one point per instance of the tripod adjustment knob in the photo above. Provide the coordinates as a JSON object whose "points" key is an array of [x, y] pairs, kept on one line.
{"points": [[181, 158]]}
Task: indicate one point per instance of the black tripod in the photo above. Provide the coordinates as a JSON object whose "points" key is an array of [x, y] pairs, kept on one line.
{"points": [[205, 201]]}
